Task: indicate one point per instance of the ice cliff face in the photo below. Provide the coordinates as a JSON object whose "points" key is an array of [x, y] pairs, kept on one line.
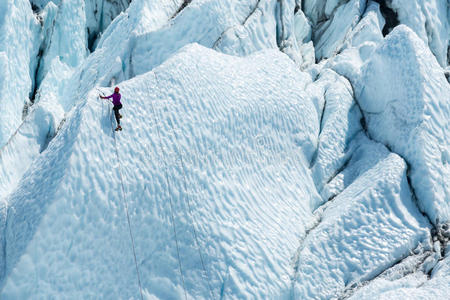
{"points": [[271, 149]]}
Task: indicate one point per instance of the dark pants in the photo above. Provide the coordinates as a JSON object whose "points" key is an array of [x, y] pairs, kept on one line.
{"points": [[116, 112]]}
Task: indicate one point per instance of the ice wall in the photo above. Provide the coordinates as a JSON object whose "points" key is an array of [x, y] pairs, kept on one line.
{"points": [[19, 45], [430, 21], [405, 97]]}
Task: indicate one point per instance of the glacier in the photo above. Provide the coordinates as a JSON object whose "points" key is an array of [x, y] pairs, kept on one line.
{"points": [[271, 149]]}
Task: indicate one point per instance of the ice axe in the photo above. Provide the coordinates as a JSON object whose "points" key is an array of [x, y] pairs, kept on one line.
{"points": [[103, 94]]}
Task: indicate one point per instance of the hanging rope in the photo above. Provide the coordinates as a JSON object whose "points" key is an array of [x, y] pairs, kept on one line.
{"points": [[156, 120], [126, 209], [183, 167]]}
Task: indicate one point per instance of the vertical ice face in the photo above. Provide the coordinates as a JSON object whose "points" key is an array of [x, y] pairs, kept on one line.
{"points": [[98, 13], [330, 36], [64, 48], [19, 31], [340, 121], [256, 32], [405, 97]]}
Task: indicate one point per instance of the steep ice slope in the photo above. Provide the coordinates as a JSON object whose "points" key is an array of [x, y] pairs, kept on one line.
{"points": [[430, 21], [18, 47], [406, 101], [51, 42], [331, 35], [368, 227], [64, 84], [340, 122], [224, 159], [61, 83]]}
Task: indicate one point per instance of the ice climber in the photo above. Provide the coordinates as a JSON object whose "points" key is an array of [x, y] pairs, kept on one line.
{"points": [[117, 105]]}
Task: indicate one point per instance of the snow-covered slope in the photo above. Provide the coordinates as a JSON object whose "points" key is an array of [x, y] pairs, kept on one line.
{"points": [[278, 149]]}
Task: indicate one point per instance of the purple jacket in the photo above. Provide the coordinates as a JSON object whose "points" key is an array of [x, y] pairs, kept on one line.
{"points": [[116, 98]]}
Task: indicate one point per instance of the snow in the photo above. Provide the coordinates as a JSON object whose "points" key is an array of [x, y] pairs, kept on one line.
{"points": [[405, 98]]}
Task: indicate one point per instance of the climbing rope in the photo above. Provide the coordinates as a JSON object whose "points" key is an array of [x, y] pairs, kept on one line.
{"points": [[156, 121], [126, 208], [183, 167]]}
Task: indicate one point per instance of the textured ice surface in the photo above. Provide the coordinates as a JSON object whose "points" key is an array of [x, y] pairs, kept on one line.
{"points": [[64, 85], [237, 149], [367, 228], [331, 34], [414, 286], [359, 45], [19, 46], [258, 31], [430, 21], [98, 14], [340, 121], [225, 159], [201, 22], [406, 100]]}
